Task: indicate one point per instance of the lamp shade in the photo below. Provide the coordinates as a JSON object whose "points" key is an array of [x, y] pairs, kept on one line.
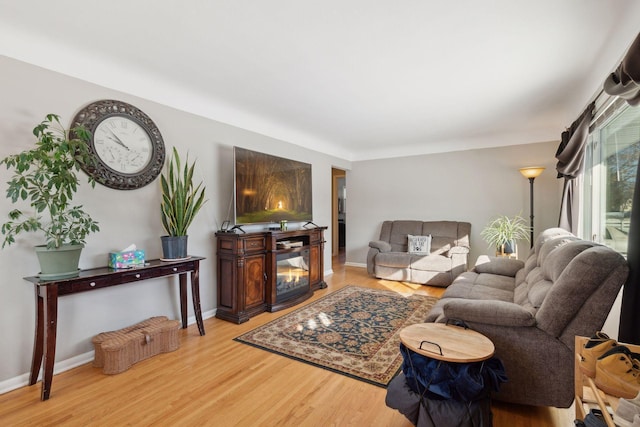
{"points": [[531, 172]]}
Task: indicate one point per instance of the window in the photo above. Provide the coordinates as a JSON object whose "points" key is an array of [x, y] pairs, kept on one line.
{"points": [[611, 163]]}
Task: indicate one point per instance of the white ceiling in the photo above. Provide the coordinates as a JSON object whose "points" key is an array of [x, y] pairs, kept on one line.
{"points": [[358, 79]]}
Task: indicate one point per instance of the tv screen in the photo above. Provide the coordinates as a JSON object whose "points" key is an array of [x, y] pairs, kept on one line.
{"points": [[270, 188]]}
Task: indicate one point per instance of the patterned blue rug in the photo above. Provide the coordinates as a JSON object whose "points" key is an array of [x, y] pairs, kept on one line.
{"points": [[353, 331]]}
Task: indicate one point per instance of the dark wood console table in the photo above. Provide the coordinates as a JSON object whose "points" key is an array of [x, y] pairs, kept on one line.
{"points": [[47, 293]]}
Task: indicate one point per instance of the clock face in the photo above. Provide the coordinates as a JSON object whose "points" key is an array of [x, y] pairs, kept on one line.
{"points": [[122, 144], [126, 145]]}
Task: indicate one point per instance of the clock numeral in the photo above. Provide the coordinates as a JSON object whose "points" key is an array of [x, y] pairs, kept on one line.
{"points": [[111, 124], [99, 141], [123, 124]]}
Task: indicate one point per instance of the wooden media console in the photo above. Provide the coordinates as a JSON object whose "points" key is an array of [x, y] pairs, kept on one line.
{"points": [[267, 270]]}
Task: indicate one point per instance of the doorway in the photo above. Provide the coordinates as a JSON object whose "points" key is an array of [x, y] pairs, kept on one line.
{"points": [[339, 214]]}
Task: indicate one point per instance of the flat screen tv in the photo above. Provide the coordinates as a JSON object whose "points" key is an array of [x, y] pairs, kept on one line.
{"points": [[270, 188]]}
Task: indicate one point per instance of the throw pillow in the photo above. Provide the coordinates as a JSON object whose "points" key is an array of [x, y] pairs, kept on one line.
{"points": [[420, 245]]}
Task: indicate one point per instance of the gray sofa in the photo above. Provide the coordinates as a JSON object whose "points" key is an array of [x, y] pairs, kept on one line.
{"points": [[533, 310], [388, 257]]}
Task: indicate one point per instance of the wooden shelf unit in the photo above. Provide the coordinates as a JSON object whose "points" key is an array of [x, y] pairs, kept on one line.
{"points": [[247, 270], [588, 394]]}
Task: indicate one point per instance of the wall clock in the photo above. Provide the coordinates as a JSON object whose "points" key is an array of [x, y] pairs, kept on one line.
{"points": [[126, 145]]}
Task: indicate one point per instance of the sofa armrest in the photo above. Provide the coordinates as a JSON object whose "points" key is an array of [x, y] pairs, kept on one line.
{"points": [[498, 265], [380, 245], [457, 250], [500, 313]]}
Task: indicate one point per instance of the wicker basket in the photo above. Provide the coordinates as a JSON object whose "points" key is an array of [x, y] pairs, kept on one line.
{"points": [[116, 351]]}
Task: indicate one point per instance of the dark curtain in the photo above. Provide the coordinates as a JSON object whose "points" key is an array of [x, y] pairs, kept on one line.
{"points": [[629, 330], [625, 82], [570, 165]]}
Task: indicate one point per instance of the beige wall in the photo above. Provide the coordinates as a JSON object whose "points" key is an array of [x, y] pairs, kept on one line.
{"points": [[125, 217], [468, 185], [471, 186]]}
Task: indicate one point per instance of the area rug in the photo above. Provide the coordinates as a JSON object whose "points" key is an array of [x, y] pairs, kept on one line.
{"points": [[353, 331]]}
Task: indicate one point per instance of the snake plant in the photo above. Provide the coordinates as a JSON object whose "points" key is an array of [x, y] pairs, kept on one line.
{"points": [[181, 199]]}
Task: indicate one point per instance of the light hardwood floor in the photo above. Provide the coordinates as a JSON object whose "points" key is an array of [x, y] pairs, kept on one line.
{"points": [[215, 381]]}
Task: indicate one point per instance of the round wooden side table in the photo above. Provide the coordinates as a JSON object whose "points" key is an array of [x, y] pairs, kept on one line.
{"points": [[449, 343]]}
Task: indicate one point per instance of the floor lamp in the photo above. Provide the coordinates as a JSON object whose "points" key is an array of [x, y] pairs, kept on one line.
{"points": [[531, 173]]}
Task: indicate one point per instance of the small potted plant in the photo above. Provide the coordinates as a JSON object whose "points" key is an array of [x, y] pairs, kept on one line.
{"points": [[46, 177], [181, 201], [503, 232]]}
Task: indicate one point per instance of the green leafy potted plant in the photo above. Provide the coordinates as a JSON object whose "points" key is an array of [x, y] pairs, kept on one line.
{"points": [[181, 201], [45, 176], [503, 232]]}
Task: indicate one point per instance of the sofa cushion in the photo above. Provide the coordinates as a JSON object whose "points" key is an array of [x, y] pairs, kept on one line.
{"points": [[533, 289], [471, 285], [554, 266], [498, 265], [538, 292], [548, 234], [529, 264], [500, 313], [589, 268], [468, 291], [441, 245], [397, 233], [498, 282], [419, 244], [532, 261], [548, 247], [520, 276], [393, 259], [430, 262], [521, 292], [454, 233], [551, 262], [435, 278], [393, 273]]}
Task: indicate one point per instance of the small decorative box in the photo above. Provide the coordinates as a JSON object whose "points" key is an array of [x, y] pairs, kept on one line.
{"points": [[126, 259]]}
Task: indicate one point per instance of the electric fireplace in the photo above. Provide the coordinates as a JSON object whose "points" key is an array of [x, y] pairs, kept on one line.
{"points": [[292, 270]]}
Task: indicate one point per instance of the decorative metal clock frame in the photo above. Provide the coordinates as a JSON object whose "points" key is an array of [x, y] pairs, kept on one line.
{"points": [[97, 116]]}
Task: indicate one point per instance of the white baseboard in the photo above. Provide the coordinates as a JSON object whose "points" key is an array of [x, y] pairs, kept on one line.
{"points": [[355, 264], [61, 366], [14, 383], [73, 362]]}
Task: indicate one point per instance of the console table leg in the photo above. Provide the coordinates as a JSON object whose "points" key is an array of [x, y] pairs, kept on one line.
{"points": [[50, 328], [195, 294], [38, 339], [183, 299]]}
